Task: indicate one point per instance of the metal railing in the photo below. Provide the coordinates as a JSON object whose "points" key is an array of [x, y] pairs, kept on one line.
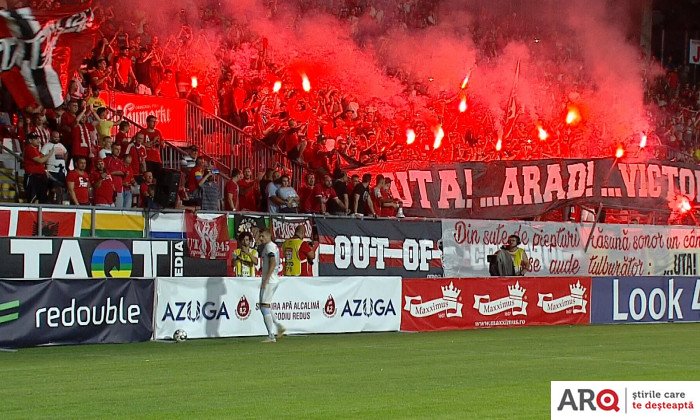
{"points": [[234, 148]]}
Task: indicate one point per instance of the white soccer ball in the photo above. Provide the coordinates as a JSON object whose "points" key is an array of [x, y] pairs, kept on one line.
{"points": [[179, 336]]}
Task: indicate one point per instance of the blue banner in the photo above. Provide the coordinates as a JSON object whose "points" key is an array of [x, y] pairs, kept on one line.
{"points": [[645, 299], [39, 312]]}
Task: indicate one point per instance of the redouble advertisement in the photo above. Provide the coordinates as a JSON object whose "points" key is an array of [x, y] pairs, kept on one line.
{"points": [[645, 299], [446, 304], [33, 258], [228, 307], [40, 312]]}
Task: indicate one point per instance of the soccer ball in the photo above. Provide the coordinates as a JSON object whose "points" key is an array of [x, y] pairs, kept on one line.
{"points": [[179, 336]]}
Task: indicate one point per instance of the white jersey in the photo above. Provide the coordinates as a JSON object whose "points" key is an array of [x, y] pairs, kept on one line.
{"points": [[271, 250], [57, 161]]}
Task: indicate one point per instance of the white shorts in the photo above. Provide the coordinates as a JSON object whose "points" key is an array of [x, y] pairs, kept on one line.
{"points": [[267, 293]]}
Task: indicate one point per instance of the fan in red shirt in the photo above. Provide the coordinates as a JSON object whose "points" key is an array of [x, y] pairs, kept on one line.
{"points": [[248, 191], [114, 165], [376, 194], [122, 136], [78, 183], [137, 151], [167, 86], [324, 199], [36, 181], [231, 191], [102, 185], [100, 77], [317, 156], [392, 205], [154, 139], [305, 192], [196, 174]]}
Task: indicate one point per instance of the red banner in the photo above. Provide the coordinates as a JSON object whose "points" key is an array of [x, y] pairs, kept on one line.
{"points": [[170, 112], [448, 304], [53, 223], [207, 238]]}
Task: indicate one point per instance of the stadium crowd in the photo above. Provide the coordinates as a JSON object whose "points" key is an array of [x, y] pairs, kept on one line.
{"points": [[324, 129]]}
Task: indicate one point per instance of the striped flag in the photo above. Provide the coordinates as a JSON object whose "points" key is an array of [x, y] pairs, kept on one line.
{"points": [[113, 224], [26, 59]]}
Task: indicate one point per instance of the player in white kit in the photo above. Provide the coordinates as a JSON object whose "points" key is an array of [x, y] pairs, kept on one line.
{"points": [[270, 257]]}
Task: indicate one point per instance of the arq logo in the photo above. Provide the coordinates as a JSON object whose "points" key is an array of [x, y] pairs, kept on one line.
{"points": [[585, 399], [368, 307], [9, 311], [194, 310]]}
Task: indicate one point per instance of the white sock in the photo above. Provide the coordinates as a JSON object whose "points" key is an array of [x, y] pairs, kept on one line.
{"points": [[269, 322]]}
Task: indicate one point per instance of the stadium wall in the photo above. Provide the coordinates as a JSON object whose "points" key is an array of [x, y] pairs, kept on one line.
{"points": [[122, 310]]}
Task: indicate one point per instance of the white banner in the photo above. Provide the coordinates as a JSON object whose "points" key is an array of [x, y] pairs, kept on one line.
{"points": [[642, 250], [227, 307], [557, 249]]}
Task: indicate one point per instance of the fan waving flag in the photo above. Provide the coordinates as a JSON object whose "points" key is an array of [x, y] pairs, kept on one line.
{"points": [[27, 54]]}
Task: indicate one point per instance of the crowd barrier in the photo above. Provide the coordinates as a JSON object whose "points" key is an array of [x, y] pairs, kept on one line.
{"points": [[76, 311], [409, 248]]}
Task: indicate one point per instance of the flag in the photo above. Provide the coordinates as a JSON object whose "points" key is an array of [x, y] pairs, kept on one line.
{"points": [[53, 223], [167, 226], [109, 224], [207, 237], [511, 107], [27, 57]]}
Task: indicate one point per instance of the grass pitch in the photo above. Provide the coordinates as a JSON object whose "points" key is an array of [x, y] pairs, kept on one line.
{"points": [[500, 373]]}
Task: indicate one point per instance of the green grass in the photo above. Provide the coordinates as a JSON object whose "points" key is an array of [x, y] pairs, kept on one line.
{"points": [[500, 373]]}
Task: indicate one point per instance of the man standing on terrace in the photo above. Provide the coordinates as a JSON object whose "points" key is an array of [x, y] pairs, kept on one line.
{"points": [[154, 140]]}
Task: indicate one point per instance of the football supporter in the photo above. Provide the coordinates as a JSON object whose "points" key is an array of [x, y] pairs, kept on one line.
{"points": [[78, 183], [102, 185], [35, 179], [324, 200], [153, 141], [115, 166], [231, 191]]}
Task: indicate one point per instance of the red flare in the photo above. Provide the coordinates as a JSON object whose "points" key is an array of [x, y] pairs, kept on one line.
{"points": [[277, 86], [463, 104], [465, 81], [542, 133], [410, 136], [643, 141], [305, 84], [194, 82], [573, 117], [684, 205], [439, 134], [619, 152]]}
